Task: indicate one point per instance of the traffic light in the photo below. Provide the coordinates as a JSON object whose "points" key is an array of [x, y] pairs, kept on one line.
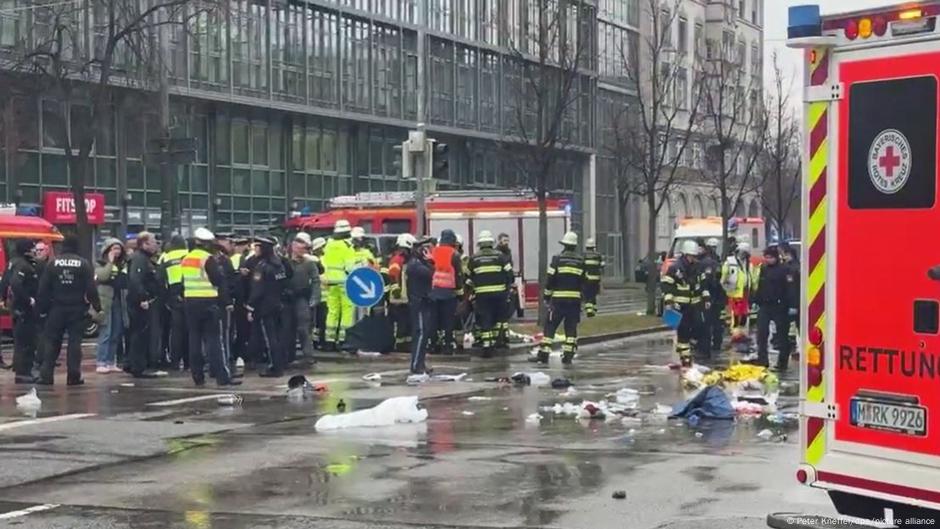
{"points": [[439, 159], [403, 160]]}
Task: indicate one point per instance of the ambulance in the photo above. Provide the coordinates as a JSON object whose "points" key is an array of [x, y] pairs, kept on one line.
{"points": [[870, 377]]}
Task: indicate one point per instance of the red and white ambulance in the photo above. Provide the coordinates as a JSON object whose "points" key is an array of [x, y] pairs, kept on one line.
{"points": [[870, 407]]}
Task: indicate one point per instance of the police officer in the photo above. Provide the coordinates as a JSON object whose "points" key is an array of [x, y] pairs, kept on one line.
{"points": [[224, 251], [65, 291], [448, 274], [419, 276], [143, 291], [489, 277], [684, 290], [593, 271], [24, 287], [562, 293], [264, 305], [398, 292], [712, 327], [206, 296], [772, 295], [171, 273]]}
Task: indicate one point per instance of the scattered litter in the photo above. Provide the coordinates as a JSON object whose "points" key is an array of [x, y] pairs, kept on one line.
{"points": [[590, 410], [341, 406], [647, 390], [563, 409], [709, 403], [448, 378], [628, 397], [320, 388], [561, 383], [160, 374], [372, 377], [29, 401], [299, 387], [416, 379], [131, 384], [631, 421], [619, 495], [570, 392], [479, 398], [240, 362], [742, 407], [515, 337], [531, 379], [662, 409], [229, 400], [368, 354], [786, 419], [534, 418], [699, 435], [661, 431], [468, 413], [765, 434], [297, 381], [177, 422], [391, 411]]}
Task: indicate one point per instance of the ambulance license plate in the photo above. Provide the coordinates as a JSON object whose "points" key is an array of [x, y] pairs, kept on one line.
{"points": [[902, 418]]}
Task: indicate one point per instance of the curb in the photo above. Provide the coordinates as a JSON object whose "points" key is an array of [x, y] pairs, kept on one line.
{"points": [[601, 338]]}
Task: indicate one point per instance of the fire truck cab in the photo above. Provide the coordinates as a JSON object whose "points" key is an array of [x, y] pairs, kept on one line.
{"points": [[12, 229], [870, 404]]}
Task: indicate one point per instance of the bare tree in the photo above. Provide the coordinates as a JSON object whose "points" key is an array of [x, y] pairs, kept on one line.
{"points": [[125, 49], [546, 84], [781, 163], [734, 121], [652, 135]]}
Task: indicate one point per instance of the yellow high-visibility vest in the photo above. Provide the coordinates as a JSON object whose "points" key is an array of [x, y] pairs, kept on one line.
{"points": [[236, 261], [196, 283], [174, 272]]}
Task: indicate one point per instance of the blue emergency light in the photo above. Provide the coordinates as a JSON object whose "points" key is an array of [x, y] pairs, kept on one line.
{"points": [[804, 21]]}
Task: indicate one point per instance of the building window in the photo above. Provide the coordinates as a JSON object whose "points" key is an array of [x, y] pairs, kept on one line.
{"points": [[633, 12], [741, 56], [665, 28], [755, 61], [682, 88], [742, 9], [489, 22], [755, 12], [683, 35], [356, 64], [442, 81], [699, 40], [466, 86], [440, 11], [322, 53], [489, 95], [386, 75]]}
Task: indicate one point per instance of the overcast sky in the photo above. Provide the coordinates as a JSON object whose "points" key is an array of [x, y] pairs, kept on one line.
{"points": [[775, 32]]}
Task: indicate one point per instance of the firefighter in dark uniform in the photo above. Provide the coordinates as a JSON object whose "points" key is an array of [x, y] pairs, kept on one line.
{"points": [[264, 306], [171, 272], [24, 287], [593, 271], [563, 290], [712, 328], [143, 291], [502, 340], [489, 278], [684, 290], [65, 291]]}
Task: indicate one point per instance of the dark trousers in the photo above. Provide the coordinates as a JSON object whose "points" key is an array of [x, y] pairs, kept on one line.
{"points": [[445, 316], [504, 315], [711, 330], [296, 327], [590, 298], [179, 336], [688, 330], [206, 334], [61, 320], [25, 334], [269, 335], [401, 321], [569, 314], [319, 332], [242, 328], [159, 323], [778, 314], [421, 316], [139, 342], [487, 312]]}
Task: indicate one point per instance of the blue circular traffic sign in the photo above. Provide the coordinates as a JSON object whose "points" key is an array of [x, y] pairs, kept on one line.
{"points": [[365, 287]]}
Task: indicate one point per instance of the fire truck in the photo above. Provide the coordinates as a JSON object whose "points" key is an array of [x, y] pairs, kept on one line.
{"points": [[12, 228], [870, 329], [385, 215]]}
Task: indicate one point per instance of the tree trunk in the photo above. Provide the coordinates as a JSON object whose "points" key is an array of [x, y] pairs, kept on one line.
{"points": [[652, 273], [543, 248], [626, 263], [79, 166]]}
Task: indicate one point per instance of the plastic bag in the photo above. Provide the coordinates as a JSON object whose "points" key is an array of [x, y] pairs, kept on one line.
{"points": [[630, 398], [29, 400], [396, 410]]}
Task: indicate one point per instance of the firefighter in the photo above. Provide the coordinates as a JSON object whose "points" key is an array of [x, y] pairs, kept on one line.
{"points": [[684, 290], [66, 290], [464, 310], [712, 327], [772, 290], [448, 274], [398, 292], [306, 273], [419, 274], [317, 306], [562, 293], [24, 287], [171, 273], [512, 294], [205, 298], [364, 255], [489, 278], [339, 258], [143, 291], [593, 270], [737, 278], [264, 306]]}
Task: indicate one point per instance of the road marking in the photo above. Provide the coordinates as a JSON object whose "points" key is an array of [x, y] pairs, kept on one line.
{"points": [[44, 420], [174, 402], [30, 510]]}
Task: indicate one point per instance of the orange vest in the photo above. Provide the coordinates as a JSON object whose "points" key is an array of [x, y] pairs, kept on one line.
{"points": [[444, 274]]}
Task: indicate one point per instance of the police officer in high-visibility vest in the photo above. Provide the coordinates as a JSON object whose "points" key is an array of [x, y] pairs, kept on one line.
{"points": [[684, 290], [489, 279], [339, 258], [205, 298], [170, 270], [562, 293], [593, 270]]}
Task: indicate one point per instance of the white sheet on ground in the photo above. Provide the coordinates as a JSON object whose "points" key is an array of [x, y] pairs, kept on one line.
{"points": [[396, 410]]}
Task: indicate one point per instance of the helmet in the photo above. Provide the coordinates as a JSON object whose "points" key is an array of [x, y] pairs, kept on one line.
{"points": [[341, 226], [570, 239], [317, 243], [744, 247], [358, 232], [460, 239], [405, 240], [304, 239], [486, 237], [203, 235], [689, 247], [712, 243], [589, 243], [266, 240]]}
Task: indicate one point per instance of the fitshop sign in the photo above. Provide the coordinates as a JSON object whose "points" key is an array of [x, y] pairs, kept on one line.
{"points": [[58, 207]]}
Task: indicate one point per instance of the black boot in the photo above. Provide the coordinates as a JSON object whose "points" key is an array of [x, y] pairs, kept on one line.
{"points": [[543, 357], [567, 358]]}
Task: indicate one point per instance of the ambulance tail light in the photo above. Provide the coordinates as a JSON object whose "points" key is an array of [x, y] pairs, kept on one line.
{"points": [[813, 356], [880, 26], [851, 30], [910, 14], [907, 21], [816, 336]]}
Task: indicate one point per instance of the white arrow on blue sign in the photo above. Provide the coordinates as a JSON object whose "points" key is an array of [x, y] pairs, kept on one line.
{"points": [[365, 287]]}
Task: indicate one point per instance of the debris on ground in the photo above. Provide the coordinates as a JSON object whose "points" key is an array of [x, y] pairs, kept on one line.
{"points": [[229, 400], [479, 398], [29, 401], [372, 377], [467, 413], [448, 378], [765, 434], [515, 337], [709, 403], [531, 379], [391, 411], [661, 409], [784, 419], [417, 379], [561, 383], [742, 407], [619, 495], [534, 418], [628, 397], [368, 354]]}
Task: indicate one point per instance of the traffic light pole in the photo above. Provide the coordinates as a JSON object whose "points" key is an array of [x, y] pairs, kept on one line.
{"points": [[420, 168]]}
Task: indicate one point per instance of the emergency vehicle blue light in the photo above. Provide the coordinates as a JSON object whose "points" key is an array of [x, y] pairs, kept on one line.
{"points": [[568, 209], [804, 21]]}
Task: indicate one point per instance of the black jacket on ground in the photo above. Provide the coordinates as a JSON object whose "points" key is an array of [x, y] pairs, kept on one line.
{"points": [[142, 281], [68, 282]]}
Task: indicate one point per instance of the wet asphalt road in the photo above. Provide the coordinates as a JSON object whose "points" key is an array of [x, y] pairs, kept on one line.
{"points": [[161, 453]]}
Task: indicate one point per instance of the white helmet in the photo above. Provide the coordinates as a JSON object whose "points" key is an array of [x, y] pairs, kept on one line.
{"points": [[358, 232], [203, 235], [318, 243], [712, 243], [589, 243], [304, 239], [570, 239], [689, 247], [341, 226], [405, 240], [486, 237], [744, 247], [460, 239]]}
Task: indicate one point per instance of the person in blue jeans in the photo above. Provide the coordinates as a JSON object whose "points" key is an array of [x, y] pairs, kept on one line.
{"points": [[111, 277]]}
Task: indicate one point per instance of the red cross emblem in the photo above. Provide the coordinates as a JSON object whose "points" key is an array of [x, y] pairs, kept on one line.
{"points": [[889, 161]]}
